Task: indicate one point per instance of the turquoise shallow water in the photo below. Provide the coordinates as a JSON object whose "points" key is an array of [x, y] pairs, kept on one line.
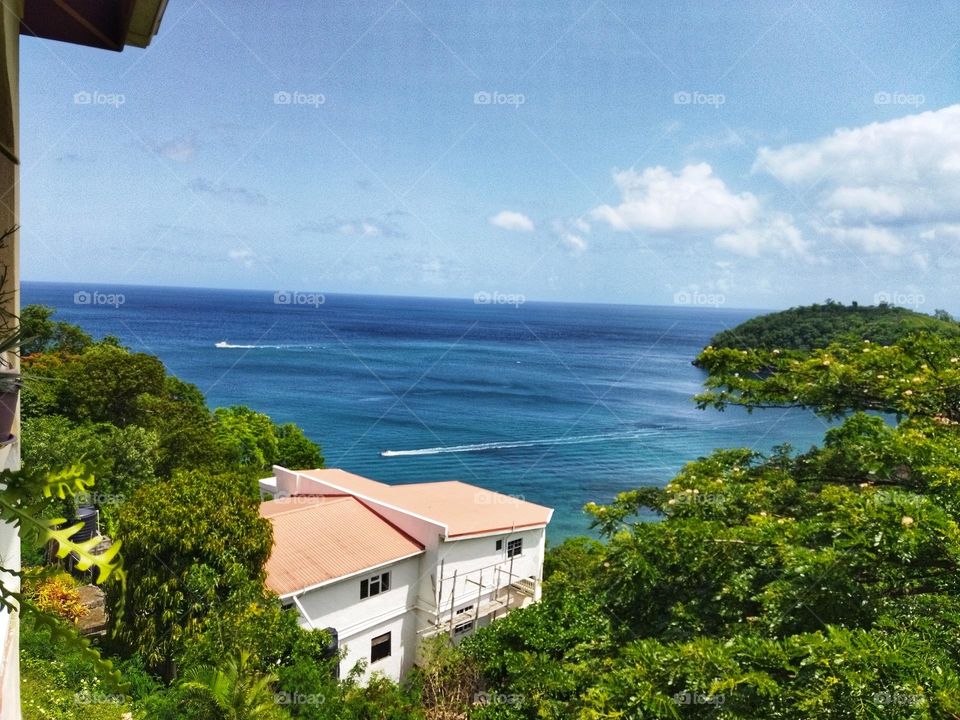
{"points": [[559, 403]]}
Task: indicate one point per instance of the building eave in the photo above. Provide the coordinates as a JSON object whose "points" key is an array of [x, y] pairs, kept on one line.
{"points": [[363, 571], [497, 531], [103, 24]]}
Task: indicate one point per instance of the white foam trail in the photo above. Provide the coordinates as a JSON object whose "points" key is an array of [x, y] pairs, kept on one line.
{"points": [[480, 447], [231, 346]]}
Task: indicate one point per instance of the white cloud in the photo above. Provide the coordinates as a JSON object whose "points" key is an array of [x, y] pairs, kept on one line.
{"points": [[367, 227], [869, 238], [181, 149], [776, 233], [510, 220], [571, 233], [242, 256], [880, 186], [361, 228], [865, 202], [695, 199], [574, 243]]}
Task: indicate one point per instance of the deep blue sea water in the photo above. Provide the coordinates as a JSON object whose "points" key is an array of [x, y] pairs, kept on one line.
{"points": [[559, 403]]}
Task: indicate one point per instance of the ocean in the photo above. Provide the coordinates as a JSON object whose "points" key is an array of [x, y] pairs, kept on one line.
{"points": [[560, 404]]}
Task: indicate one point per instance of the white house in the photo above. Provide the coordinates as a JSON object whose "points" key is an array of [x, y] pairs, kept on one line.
{"points": [[383, 566]]}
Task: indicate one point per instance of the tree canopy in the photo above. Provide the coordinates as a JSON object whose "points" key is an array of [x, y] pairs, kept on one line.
{"points": [[782, 585], [816, 326]]}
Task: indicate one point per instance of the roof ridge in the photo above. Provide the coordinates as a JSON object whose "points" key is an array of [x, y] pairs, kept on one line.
{"points": [[392, 524], [299, 507]]}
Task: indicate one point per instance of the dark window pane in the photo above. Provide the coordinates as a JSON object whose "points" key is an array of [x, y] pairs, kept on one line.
{"points": [[380, 647], [385, 582], [364, 589]]}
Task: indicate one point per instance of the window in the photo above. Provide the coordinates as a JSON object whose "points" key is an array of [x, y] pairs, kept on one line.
{"points": [[462, 610], [499, 544], [514, 547], [375, 585], [380, 647], [463, 627]]}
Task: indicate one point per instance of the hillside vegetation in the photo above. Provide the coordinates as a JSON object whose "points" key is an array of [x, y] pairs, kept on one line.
{"points": [[780, 585], [816, 326]]}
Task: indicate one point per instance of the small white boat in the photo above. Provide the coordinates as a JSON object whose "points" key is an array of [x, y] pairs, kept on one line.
{"points": [[222, 344]]}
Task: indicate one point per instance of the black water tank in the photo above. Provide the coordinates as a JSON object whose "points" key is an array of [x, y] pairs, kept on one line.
{"points": [[90, 517], [333, 647]]}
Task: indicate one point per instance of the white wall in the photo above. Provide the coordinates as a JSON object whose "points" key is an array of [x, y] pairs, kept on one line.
{"points": [[357, 621], [338, 604], [467, 557], [403, 648]]}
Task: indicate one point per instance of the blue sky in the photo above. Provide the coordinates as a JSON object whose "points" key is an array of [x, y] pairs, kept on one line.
{"points": [[745, 154]]}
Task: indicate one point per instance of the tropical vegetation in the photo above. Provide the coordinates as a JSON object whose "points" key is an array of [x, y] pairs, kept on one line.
{"points": [[790, 584]]}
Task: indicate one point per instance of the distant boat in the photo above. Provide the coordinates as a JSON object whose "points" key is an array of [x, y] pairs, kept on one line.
{"points": [[222, 344]]}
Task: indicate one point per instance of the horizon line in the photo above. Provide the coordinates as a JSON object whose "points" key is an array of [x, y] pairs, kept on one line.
{"points": [[83, 284]]}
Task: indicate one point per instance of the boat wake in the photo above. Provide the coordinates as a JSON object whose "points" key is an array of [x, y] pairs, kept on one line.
{"points": [[232, 346], [506, 445]]}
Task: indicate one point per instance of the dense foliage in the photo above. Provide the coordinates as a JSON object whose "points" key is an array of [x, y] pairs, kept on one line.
{"points": [[177, 482], [785, 585], [813, 326], [818, 584]]}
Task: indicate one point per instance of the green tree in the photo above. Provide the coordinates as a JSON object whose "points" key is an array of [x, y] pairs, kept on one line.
{"points": [[104, 383], [125, 458], [192, 545], [235, 691], [816, 326], [43, 334], [245, 437], [295, 450], [820, 584], [184, 426]]}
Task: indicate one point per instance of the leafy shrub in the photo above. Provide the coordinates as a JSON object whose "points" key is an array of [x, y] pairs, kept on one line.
{"points": [[59, 595]]}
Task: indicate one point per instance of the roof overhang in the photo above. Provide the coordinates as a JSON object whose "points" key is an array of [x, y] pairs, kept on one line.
{"points": [[499, 531], [105, 24], [294, 594]]}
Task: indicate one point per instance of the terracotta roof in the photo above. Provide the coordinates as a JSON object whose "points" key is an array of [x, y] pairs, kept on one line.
{"points": [[464, 509], [319, 538]]}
